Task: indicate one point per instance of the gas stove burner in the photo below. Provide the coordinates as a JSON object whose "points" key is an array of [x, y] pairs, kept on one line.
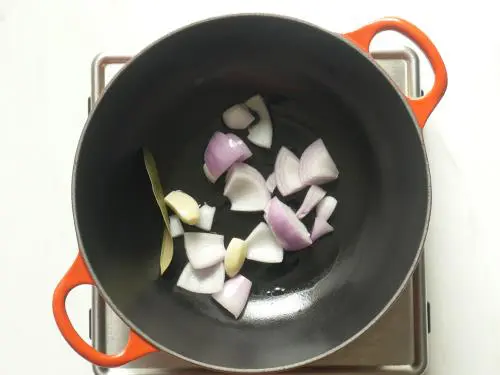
{"points": [[396, 344]]}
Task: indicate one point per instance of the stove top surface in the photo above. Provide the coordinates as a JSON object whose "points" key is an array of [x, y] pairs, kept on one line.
{"points": [[396, 344]]}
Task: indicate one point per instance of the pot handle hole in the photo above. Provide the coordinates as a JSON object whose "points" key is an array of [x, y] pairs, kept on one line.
{"points": [[77, 275], [423, 106]]}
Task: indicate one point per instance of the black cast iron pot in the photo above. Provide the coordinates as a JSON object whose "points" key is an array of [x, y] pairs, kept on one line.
{"points": [[170, 98]]}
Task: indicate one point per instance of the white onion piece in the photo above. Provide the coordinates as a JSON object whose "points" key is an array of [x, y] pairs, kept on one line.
{"points": [[320, 228], [204, 249], [209, 175], [246, 188], [205, 281], [238, 142], [271, 182], [316, 165], [234, 295], [260, 134], [266, 209], [290, 232], [314, 195], [237, 117], [222, 152], [326, 207], [286, 170], [207, 214], [263, 246], [176, 228]]}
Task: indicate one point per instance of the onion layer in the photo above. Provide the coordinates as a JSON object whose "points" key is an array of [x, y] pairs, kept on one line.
{"points": [[246, 188], [286, 170], [326, 207], [263, 246], [222, 152], [205, 281], [237, 117], [208, 175], [234, 295], [260, 134], [320, 228], [176, 228], [204, 249], [290, 232], [207, 214], [271, 182], [316, 165], [236, 142], [314, 195]]}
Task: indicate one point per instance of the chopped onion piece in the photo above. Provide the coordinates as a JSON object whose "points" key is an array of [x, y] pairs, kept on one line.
{"points": [[290, 232], [320, 228], [286, 170], [222, 152], [326, 207], [209, 176], [256, 103], [314, 195], [236, 141], [260, 134], [316, 165], [234, 295], [237, 117], [205, 281], [206, 217], [266, 209], [263, 246], [176, 228], [184, 206], [236, 253], [246, 188], [204, 249], [271, 182]]}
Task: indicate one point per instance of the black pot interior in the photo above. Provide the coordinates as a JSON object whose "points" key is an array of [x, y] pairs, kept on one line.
{"points": [[170, 99]]}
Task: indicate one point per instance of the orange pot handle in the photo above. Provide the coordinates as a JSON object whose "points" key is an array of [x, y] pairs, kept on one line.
{"points": [[78, 274], [422, 107]]}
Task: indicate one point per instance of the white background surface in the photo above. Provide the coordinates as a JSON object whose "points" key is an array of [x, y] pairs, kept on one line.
{"points": [[46, 50]]}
